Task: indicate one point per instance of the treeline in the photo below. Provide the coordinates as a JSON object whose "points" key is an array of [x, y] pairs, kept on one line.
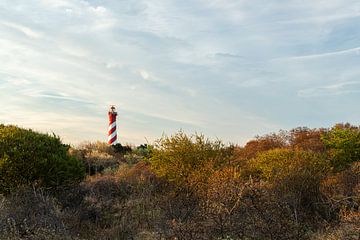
{"points": [[297, 184]]}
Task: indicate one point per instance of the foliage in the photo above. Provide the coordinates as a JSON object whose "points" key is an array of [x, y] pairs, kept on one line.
{"points": [[278, 186], [279, 163], [307, 139], [28, 157], [97, 156], [118, 148], [296, 176], [181, 159], [343, 142], [263, 144], [100, 157]]}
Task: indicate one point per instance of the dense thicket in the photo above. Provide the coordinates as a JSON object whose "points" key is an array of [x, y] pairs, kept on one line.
{"points": [[297, 184], [31, 158]]}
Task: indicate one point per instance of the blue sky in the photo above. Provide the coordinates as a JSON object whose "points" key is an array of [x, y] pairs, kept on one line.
{"points": [[230, 69]]}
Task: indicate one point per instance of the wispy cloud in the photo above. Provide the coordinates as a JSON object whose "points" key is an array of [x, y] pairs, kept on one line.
{"points": [[355, 51], [23, 29], [333, 89]]}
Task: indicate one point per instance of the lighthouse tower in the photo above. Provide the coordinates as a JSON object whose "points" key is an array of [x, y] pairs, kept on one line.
{"points": [[112, 136]]}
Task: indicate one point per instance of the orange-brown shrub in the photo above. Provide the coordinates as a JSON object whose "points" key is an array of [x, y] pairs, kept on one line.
{"points": [[307, 139]]}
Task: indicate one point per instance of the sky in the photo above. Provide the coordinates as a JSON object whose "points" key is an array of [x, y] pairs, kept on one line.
{"points": [[230, 69]]}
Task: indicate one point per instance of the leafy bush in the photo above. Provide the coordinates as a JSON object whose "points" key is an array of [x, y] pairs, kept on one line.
{"points": [[28, 157], [307, 139], [118, 148], [181, 159], [296, 177], [343, 143], [263, 144], [279, 163], [279, 186]]}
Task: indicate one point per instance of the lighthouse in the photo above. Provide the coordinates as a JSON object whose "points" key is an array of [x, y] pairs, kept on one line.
{"points": [[112, 135]]}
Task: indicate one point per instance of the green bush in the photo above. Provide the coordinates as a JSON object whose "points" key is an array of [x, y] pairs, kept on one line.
{"points": [[295, 176], [31, 158], [182, 159], [343, 144], [279, 163]]}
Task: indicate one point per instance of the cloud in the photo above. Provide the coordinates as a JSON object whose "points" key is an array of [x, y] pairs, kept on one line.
{"points": [[228, 55], [21, 28], [355, 51], [231, 69], [322, 19], [99, 10], [54, 96], [18, 81], [111, 65], [333, 89], [144, 74]]}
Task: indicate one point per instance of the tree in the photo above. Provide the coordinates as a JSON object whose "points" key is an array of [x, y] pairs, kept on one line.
{"points": [[28, 158]]}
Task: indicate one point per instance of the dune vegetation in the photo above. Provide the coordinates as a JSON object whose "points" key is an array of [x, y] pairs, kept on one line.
{"points": [[297, 184]]}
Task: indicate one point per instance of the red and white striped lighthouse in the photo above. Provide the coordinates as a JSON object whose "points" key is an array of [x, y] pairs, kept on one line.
{"points": [[112, 136]]}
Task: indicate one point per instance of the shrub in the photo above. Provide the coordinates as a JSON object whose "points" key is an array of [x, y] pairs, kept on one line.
{"points": [[97, 156], [181, 158], [343, 188], [100, 210], [28, 157], [221, 202], [347, 229], [30, 214], [279, 163], [307, 139], [118, 148], [263, 144], [295, 176], [143, 150], [343, 143]]}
